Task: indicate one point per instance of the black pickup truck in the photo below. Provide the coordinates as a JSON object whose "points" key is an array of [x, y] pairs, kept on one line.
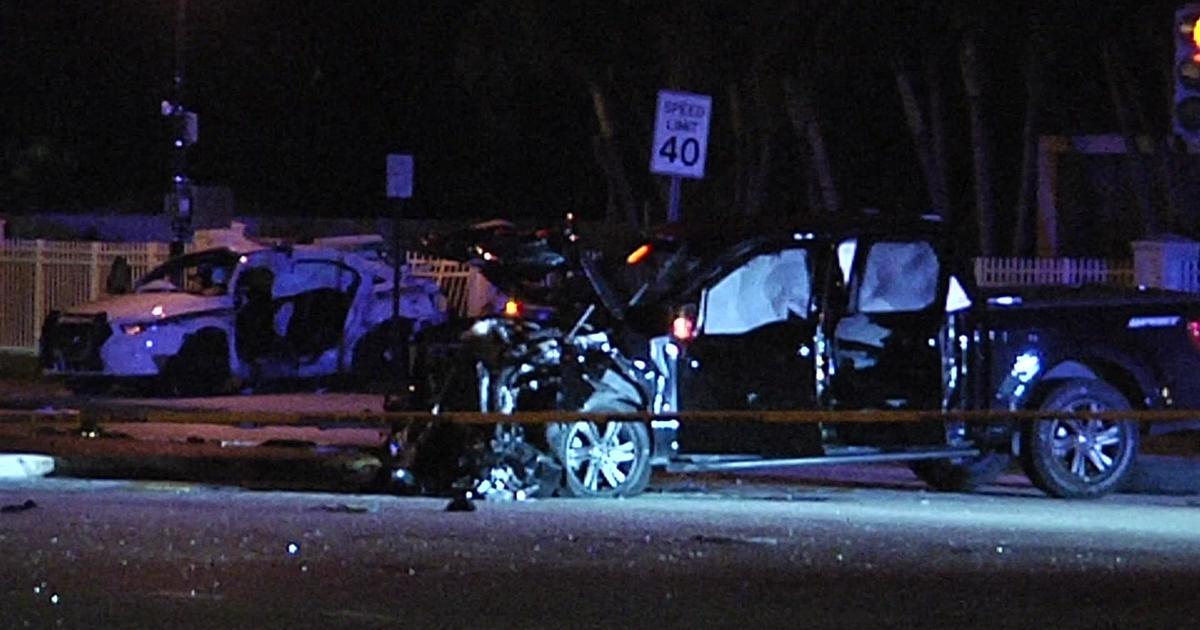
{"points": [[886, 316], [874, 315]]}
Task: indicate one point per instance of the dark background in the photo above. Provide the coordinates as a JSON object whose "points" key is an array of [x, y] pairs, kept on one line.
{"points": [[299, 102]]}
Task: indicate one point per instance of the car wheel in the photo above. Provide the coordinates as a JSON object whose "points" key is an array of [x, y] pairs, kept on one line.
{"points": [[200, 368], [1080, 458], [962, 475], [378, 364], [606, 459]]}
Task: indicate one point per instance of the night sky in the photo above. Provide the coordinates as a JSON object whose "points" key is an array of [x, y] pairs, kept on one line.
{"points": [[299, 102]]}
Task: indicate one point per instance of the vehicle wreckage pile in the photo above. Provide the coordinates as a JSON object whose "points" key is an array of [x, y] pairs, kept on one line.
{"points": [[548, 347]]}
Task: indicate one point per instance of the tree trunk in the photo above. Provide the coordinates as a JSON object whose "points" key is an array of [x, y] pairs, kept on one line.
{"points": [[1135, 167], [940, 187], [759, 167], [917, 128], [739, 145], [808, 128], [985, 204], [1161, 156], [1026, 207], [610, 157]]}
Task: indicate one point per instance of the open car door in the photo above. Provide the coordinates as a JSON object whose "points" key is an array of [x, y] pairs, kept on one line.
{"points": [[753, 350], [291, 312], [882, 325]]}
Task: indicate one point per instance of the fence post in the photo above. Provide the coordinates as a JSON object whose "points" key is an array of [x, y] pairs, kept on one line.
{"points": [[94, 277], [39, 289]]}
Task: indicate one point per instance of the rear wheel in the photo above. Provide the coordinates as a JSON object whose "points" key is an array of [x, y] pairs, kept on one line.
{"points": [[962, 475], [381, 357], [200, 368], [605, 459], [1080, 458]]}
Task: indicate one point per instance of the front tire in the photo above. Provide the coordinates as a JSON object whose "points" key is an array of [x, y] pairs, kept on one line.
{"points": [[607, 459], [1080, 458]]}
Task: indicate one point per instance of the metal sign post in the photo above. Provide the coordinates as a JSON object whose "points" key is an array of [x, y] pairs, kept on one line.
{"points": [[680, 146], [399, 187], [184, 134]]}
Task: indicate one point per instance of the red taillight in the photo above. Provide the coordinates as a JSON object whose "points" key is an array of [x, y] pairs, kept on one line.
{"points": [[512, 308], [1193, 328], [683, 325], [683, 328]]}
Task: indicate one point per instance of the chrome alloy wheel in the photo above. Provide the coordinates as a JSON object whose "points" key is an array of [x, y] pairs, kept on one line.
{"points": [[1088, 449], [602, 458]]}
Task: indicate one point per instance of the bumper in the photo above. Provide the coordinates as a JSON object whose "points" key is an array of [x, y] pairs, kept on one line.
{"points": [[95, 348]]}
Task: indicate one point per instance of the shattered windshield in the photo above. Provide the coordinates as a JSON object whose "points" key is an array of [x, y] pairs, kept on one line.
{"points": [[202, 273]]}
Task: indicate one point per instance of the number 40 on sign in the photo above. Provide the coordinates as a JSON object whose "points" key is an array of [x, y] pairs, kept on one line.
{"points": [[680, 134]]}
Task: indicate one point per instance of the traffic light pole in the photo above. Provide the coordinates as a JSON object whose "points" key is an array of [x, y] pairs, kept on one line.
{"points": [[181, 215], [1185, 111]]}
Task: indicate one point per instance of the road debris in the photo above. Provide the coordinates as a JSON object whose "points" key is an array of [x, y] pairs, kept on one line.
{"points": [[347, 508], [29, 504], [461, 503]]}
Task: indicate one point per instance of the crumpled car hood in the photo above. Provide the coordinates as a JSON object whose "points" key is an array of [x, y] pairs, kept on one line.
{"points": [[139, 307]]}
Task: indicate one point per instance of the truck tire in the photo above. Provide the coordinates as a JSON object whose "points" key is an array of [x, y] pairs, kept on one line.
{"points": [[607, 459], [1080, 459], [963, 475]]}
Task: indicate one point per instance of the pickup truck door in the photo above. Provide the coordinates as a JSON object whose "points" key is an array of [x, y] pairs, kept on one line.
{"points": [[881, 323], [753, 350]]}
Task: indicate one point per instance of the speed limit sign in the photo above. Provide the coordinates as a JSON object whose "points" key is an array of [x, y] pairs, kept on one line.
{"points": [[680, 134]]}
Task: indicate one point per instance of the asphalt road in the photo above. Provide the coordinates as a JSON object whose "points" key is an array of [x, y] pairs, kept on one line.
{"points": [[762, 553], [828, 547]]}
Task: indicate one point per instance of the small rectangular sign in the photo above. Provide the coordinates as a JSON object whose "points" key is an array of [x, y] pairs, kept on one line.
{"points": [[399, 176], [680, 134]]}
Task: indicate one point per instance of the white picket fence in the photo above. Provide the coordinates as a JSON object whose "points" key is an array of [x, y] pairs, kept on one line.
{"points": [[1189, 276], [466, 290], [39, 276], [998, 272]]}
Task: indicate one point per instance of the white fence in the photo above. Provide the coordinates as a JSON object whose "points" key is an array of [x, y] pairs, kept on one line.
{"points": [[998, 272], [1189, 276], [467, 292], [38, 276]]}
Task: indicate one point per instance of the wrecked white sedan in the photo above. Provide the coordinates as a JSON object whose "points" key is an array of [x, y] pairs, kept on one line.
{"points": [[209, 321]]}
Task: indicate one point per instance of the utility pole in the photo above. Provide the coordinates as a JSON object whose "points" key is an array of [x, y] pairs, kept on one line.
{"points": [[184, 132]]}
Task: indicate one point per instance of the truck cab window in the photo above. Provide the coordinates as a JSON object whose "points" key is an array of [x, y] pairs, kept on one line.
{"points": [[765, 289], [898, 277]]}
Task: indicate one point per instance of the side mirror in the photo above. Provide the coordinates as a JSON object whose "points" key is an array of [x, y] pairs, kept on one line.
{"points": [[120, 277]]}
